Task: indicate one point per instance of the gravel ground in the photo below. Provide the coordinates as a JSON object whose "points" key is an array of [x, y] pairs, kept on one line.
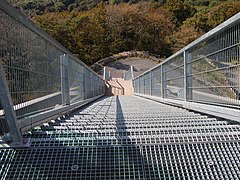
{"points": [[140, 65]]}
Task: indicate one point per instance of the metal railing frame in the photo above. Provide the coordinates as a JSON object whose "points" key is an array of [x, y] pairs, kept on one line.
{"points": [[128, 75], [221, 110], [7, 104], [106, 74], [96, 86]]}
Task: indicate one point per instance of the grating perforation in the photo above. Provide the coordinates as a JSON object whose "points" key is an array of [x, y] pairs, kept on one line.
{"points": [[127, 138]]}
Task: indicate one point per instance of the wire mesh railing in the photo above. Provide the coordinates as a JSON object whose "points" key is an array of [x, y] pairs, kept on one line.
{"points": [[206, 71], [107, 74], [128, 75], [41, 74]]}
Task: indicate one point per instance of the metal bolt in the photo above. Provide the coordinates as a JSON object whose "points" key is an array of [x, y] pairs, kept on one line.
{"points": [[210, 163], [74, 167]]}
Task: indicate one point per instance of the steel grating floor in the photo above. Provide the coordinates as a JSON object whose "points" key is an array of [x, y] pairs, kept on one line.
{"points": [[127, 137]]}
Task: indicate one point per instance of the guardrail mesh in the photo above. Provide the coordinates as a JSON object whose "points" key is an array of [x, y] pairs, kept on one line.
{"points": [[173, 73], [37, 77], [128, 75], [215, 67], [156, 82], [207, 70], [31, 64]]}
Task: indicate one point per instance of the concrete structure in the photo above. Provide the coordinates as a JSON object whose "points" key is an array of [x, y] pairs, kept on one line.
{"points": [[119, 86]]}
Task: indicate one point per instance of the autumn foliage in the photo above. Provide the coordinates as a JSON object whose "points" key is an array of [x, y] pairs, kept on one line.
{"points": [[111, 28]]}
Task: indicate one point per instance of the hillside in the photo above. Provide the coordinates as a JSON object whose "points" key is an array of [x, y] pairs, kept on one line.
{"points": [[140, 65], [93, 30], [39, 7], [121, 62]]}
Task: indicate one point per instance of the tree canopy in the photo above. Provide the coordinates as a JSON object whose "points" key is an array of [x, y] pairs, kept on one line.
{"points": [[93, 30]]}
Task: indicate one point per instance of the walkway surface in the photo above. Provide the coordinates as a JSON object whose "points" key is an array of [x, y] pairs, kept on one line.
{"points": [[127, 137]]}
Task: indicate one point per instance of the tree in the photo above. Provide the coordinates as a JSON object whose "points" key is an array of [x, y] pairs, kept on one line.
{"points": [[207, 19], [222, 12], [183, 36], [59, 6], [180, 11]]}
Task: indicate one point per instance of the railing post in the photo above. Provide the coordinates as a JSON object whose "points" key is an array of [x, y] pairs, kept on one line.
{"points": [[187, 78], [64, 80], [143, 84], [162, 82], [104, 73], [109, 75], [10, 115], [132, 75], [85, 83], [138, 86], [103, 88], [150, 93]]}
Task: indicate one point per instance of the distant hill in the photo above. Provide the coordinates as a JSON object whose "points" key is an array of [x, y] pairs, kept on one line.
{"points": [[39, 7], [121, 62]]}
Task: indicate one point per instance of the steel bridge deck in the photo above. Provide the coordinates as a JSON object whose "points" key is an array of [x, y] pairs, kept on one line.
{"points": [[127, 137]]}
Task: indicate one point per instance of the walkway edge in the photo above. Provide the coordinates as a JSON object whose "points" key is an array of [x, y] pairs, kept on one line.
{"points": [[222, 112], [31, 121]]}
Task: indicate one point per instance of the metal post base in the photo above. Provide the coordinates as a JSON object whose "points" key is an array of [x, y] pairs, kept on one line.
{"points": [[7, 142]]}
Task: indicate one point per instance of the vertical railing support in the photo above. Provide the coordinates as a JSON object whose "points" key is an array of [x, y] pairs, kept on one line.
{"points": [[64, 80], [150, 88], [132, 76], [109, 75], [92, 87], [143, 84], [187, 78], [85, 83], [104, 73], [84, 87], [10, 115], [162, 82], [139, 85]]}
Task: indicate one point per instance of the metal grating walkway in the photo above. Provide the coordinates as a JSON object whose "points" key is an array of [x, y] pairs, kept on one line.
{"points": [[127, 137]]}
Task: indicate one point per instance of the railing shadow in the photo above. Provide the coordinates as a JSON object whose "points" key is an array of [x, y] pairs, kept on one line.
{"points": [[122, 131], [73, 159]]}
